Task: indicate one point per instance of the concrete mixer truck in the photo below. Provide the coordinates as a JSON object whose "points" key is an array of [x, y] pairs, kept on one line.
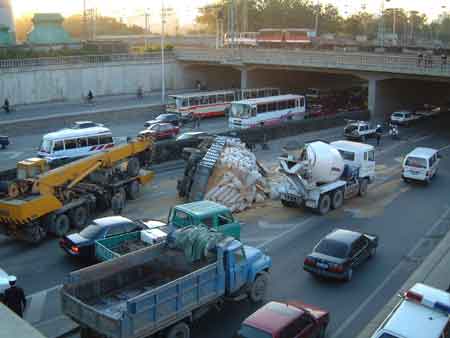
{"points": [[321, 175]]}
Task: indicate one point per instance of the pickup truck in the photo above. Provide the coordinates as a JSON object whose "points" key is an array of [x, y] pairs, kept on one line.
{"points": [[360, 130], [116, 246], [158, 290], [404, 117], [210, 214]]}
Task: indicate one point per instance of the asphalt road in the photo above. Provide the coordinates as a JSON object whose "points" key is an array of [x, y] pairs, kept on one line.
{"points": [[405, 217]]}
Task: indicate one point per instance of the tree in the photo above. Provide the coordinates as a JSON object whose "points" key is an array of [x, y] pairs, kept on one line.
{"points": [[23, 26]]}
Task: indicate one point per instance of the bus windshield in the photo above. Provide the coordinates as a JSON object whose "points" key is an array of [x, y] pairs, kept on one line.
{"points": [[45, 146], [172, 102], [240, 110]]}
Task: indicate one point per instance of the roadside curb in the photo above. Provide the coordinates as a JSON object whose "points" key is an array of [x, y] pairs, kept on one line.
{"points": [[433, 271]]}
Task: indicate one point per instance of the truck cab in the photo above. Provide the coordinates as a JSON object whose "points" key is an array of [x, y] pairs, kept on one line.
{"points": [[360, 130], [206, 213], [359, 155]]}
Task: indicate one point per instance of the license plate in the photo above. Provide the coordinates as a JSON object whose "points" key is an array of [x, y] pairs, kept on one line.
{"points": [[322, 265]]}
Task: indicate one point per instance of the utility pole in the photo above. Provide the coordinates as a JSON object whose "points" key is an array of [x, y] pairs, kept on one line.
{"points": [[219, 29], [84, 21], [164, 12], [244, 7], [316, 23], [381, 25]]}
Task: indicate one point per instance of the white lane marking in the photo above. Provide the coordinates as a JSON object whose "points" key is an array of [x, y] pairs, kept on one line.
{"points": [[284, 233], [394, 271], [12, 154]]}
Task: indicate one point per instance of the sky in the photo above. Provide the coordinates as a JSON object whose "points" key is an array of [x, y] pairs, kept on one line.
{"points": [[187, 10]]}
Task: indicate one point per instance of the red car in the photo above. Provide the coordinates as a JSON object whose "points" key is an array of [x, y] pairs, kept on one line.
{"points": [[163, 130], [285, 320]]}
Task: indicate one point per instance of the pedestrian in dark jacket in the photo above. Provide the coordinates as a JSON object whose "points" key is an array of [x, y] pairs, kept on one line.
{"points": [[14, 297]]}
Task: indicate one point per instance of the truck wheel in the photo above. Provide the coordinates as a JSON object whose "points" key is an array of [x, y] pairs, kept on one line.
{"points": [[60, 226], [36, 234], [180, 330], [133, 167], [322, 332], [258, 289], [324, 204], [363, 187], [363, 138], [133, 189], [79, 217], [338, 199], [349, 275]]}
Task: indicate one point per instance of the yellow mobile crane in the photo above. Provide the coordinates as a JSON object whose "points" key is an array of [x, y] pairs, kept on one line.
{"points": [[35, 200]]}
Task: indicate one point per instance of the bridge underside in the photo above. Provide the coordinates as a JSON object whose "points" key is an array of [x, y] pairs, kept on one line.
{"points": [[386, 92]]}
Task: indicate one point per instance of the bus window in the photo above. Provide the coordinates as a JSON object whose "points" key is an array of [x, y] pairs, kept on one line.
{"points": [[220, 98], [58, 146], [184, 103], [70, 144], [272, 106], [105, 139], [212, 99], [291, 103], [81, 142], [193, 101], [204, 100], [229, 98], [262, 108], [282, 105], [93, 141]]}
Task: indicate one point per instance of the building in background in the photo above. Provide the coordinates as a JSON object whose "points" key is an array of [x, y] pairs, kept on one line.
{"points": [[7, 27], [48, 30]]}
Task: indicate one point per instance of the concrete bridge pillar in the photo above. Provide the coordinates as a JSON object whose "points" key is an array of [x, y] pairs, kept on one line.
{"points": [[381, 99], [244, 78]]}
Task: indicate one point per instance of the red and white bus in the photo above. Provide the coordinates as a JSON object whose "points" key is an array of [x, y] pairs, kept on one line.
{"points": [[215, 103], [266, 111]]}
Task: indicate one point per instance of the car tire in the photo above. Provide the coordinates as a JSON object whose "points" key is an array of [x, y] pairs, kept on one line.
{"points": [[363, 187], [363, 138], [60, 226], [349, 275], [288, 204], [79, 217], [372, 252], [407, 180], [258, 289], [337, 199], [180, 330], [322, 332], [324, 204]]}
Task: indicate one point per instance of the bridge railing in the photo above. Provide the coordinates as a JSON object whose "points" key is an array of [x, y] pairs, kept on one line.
{"points": [[18, 64], [406, 64]]}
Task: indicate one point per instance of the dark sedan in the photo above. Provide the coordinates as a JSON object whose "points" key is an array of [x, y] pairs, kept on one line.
{"points": [[82, 244], [337, 254], [173, 119]]}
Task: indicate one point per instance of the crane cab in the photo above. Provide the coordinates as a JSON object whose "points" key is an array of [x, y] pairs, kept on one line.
{"points": [[31, 168]]}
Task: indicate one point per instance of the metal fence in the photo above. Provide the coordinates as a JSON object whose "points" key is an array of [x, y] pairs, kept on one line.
{"points": [[372, 62], [25, 64]]}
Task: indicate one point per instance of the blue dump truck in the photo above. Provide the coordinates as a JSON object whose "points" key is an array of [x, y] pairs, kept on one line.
{"points": [[159, 290]]}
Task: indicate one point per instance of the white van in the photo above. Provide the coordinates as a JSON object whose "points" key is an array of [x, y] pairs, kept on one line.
{"points": [[420, 164], [73, 143], [423, 313]]}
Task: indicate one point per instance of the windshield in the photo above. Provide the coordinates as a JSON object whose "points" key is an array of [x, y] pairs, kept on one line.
{"points": [[92, 231], [46, 146], [398, 115], [351, 128], [347, 155], [416, 162], [240, 110], [162, 117], [251, 332], [332, 248], [180, 218]]}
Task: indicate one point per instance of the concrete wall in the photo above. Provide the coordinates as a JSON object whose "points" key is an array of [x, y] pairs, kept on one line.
{"points": [[214, 77], [72, 82]]}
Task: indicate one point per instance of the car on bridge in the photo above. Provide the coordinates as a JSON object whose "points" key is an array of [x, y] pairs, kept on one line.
{"points": [[82, 244], [285, 319], [336, 255]]}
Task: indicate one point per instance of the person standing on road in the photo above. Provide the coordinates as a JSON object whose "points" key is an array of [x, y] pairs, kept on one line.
{"points": [[14, 297], [419, 59], [443, 61], [90, 96], [197, 119], [378, 136], [6, 107], [117, 203]]}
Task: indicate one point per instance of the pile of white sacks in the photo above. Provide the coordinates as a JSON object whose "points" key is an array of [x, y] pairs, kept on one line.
{"points": [[237, 181]]}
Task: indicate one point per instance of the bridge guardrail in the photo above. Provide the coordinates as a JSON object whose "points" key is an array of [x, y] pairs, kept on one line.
{"points": [[405, 64], [30, 63]]}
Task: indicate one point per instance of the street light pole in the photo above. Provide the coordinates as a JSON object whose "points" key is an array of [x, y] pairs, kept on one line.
{"points": [[163, 70], [316, 23]]}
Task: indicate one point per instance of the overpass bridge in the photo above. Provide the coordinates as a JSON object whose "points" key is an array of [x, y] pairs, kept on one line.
{"points": [[393, 79]]}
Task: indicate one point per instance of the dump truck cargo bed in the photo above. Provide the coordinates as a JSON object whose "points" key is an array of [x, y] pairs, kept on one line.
{"points": [[142, 292]]}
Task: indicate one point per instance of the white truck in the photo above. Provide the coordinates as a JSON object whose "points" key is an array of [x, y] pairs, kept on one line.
{"points": [[404, 117], [320, 176], [360, 130]]}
